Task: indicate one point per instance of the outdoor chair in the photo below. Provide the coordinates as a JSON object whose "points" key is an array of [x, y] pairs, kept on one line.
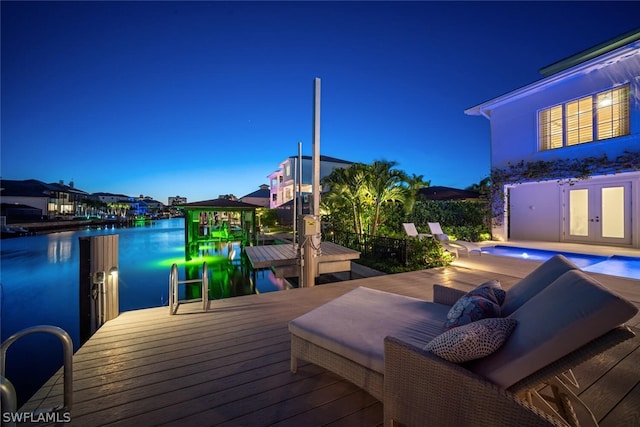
{"points": [[412, 231], [452, 245], [487, 372]]}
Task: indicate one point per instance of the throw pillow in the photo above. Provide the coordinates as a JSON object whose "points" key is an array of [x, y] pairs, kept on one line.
{"points": [[479, 303], [472, 341], [470, 308], [499, 294]]}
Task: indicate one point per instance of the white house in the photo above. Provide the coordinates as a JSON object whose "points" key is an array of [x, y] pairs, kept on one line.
{"points": [[566, 150], [282, 179]]}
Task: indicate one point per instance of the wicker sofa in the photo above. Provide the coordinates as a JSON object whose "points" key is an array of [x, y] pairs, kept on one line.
{"points": [[376, 340]]}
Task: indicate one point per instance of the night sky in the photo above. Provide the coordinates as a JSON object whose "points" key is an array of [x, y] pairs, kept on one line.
{"points": [[199, 99]]}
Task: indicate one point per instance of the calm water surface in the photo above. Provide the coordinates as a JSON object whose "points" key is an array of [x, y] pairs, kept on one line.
{"points": [[39, 279]]}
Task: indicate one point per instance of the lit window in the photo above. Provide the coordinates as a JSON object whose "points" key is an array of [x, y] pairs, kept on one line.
{"points": [[579, 121], [601, 116], [612, 113], [551, 128]]}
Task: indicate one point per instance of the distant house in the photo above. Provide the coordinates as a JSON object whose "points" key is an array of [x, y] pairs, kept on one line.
{"points": [[113, 198], [149, 206], [260, 197], [122, 205], [176, 200], [282, 180], [51, 200], [582, 119]]}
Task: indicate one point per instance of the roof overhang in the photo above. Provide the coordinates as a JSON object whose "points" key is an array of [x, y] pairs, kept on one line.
{"points": [[585, 67]]}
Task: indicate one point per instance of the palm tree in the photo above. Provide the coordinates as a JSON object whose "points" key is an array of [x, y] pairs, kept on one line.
{"points": [[482, 187], [384, 185], [346, 191], [414, 183]]}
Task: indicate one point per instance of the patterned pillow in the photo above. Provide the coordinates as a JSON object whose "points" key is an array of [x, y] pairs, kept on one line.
{"points": [[472, 341], [470, 308], [491, 290]]}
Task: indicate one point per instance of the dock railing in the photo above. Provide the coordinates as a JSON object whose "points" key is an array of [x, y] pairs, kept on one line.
{"points": [[7, 391], [174, 285], [373, 247]]}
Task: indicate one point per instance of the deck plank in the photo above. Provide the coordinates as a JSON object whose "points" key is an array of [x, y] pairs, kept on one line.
{"points": [[626, 412], [231, 364], [603, 398], [284, 254]]}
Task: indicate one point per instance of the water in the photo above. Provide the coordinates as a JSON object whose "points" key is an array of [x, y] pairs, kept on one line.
{"points": [[616, 265], [39, 285]]}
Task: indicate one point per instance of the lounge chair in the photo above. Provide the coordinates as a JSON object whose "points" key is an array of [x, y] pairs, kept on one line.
{"points": [[452, 245], [410, 229], [381, 341]]}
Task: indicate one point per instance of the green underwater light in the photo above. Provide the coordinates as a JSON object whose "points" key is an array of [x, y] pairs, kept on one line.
{"points": [[198, 260]]}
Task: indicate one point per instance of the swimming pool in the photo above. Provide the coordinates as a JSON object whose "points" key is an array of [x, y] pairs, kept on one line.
{"points": [[615, 265]]}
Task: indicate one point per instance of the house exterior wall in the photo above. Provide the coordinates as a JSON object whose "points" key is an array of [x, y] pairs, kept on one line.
{"points": [[41, 203], [538, 210], [514, 125], [534, 211]]}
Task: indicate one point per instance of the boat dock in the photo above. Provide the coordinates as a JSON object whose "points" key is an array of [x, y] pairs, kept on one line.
{"points": [[283, 258], [229, 366]]}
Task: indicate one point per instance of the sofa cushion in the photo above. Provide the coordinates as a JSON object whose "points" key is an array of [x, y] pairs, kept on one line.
{"points": [[473, 340], [536, 281], [561, 318], [355, 324], [479, 303]]}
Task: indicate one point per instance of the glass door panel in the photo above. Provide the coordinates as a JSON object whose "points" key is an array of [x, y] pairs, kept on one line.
{"points": [[579, 212], [613, 212], [599, 214]]}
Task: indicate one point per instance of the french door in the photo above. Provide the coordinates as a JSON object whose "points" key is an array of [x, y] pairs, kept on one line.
{"points": [[598, 213]]}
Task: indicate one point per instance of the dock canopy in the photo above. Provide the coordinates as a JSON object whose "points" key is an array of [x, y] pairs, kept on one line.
{"points": [[218, 220]]}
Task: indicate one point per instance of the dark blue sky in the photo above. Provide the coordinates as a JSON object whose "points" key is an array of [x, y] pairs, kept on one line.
{"points": [[207, 98]]}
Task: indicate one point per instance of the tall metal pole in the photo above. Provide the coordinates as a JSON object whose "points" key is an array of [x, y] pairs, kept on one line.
{"points": [[299, 218], [316, 149], [294, 214], [300, 178], [312, 242]]}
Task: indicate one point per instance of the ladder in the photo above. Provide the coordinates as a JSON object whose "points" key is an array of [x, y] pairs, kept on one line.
{"points": [[174, 285], [8, 392]]}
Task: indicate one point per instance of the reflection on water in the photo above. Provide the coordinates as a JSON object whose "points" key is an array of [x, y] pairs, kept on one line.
{"points": [[59, 249], [40, 275]]}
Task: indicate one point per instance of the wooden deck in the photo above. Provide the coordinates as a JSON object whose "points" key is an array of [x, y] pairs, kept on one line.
{"points": [[230, 366], [333, 258]]}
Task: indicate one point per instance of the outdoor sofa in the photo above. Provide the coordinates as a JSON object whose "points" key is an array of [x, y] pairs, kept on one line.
{"points": [[377, 340]]}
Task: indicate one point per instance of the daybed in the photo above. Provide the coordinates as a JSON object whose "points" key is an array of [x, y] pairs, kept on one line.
{"points": [[376, 340]]}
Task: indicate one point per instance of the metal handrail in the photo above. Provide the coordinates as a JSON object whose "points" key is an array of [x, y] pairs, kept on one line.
{"points": [[174, 283], [8, 396], [67, 348]]}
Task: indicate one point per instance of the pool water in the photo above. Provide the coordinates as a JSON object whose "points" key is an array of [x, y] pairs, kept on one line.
{"points": [[616, 265], [39, 285]]}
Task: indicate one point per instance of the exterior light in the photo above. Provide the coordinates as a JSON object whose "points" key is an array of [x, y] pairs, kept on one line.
{"points": [[605, 102]]}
